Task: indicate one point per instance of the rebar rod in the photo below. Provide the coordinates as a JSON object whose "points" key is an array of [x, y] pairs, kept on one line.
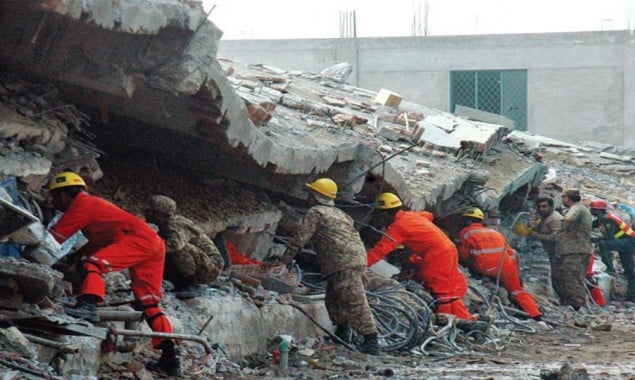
{"points": [[153, 334], [61, 347]]}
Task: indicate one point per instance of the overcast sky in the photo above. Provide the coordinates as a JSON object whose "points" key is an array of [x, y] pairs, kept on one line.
{"points": [[246, 19]]}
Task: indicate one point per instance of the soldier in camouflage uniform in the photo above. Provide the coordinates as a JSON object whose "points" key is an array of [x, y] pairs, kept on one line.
{"points": [[342, 258], [191, 256], [573, 251]]}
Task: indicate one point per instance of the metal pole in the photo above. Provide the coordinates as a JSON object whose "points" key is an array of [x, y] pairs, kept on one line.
{"points": [[61, 347], [119, 315], [193, 338]]}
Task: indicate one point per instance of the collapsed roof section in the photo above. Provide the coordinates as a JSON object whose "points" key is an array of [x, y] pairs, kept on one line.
{"points": [[423, 154], [146, 71]]}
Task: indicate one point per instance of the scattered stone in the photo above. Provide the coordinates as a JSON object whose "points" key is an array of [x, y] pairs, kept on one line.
{"points": [[602, 327], [11, 339]]}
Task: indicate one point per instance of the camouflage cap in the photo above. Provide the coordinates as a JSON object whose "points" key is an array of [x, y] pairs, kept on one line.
{"points": [[571, 192], [163, 204]]}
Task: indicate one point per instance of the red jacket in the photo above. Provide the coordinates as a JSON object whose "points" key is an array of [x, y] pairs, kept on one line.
{"points": [[100, 221]]}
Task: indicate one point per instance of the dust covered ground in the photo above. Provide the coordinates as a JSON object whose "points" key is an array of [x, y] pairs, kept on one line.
{"points": [[597, 343], [600, 354]]}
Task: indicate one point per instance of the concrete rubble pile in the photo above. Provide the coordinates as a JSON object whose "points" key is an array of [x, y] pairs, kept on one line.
{"points": [[41, 133], [137, 83]]}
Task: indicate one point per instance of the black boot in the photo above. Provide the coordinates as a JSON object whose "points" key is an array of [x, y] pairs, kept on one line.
{"points": [[169, 362], [85, 308], [607, 259], [370, 345], [344, 332], [469, 326]]}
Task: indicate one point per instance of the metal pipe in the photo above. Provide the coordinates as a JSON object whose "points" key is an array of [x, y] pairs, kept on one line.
{"points": [[205, 325], [194, 338], [61, 347], [119, 315]]}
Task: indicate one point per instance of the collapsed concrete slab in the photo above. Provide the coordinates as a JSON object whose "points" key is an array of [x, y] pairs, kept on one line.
{"points": [[241, 328], [148, 76], [586, 166], [308, 106]]}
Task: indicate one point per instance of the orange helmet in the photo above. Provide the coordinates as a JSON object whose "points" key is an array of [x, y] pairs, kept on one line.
{"points": [[599, 204]]}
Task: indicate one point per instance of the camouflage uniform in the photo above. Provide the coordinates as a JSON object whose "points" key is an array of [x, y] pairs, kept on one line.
{"points": [[571, 259], [191, 256], [342, 258]]}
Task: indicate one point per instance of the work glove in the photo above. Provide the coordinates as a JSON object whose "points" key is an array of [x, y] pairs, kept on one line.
{"points": [[521, 229]]}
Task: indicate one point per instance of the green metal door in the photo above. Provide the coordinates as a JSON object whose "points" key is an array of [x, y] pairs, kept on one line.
{"points": [[502, 92]]}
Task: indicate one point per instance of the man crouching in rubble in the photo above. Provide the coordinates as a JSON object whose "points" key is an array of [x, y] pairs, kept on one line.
{"points": [[434, 257], [486, 252], [342, 258], [191, 256], [117, 240]]}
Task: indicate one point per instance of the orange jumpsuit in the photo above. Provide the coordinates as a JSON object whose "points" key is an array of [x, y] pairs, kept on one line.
{"points": [[118, 240], [237, 259], [486, 251], [433, 255]]}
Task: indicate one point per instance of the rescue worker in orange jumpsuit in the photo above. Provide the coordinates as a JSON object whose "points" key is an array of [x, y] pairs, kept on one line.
{"points": [[434, 256], [117, 240], [486, 252]]}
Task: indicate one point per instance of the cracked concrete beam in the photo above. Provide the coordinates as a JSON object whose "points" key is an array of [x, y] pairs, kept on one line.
{"points": [[130, 16], [173, 58]]}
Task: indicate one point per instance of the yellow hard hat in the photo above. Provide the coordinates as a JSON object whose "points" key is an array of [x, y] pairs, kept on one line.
{"points": [[386, 201], [475, 213], [66, 179], [324, 186]]}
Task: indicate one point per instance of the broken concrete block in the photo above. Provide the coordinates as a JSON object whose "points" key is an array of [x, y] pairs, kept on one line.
{"points": [[10, 299], [268, 106], [348, 119], [11, 339], [338, 72], [333, 101], [617, 157], [388, 98], [385, 149], [34, 281], [81, 365], [257, 114]]}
